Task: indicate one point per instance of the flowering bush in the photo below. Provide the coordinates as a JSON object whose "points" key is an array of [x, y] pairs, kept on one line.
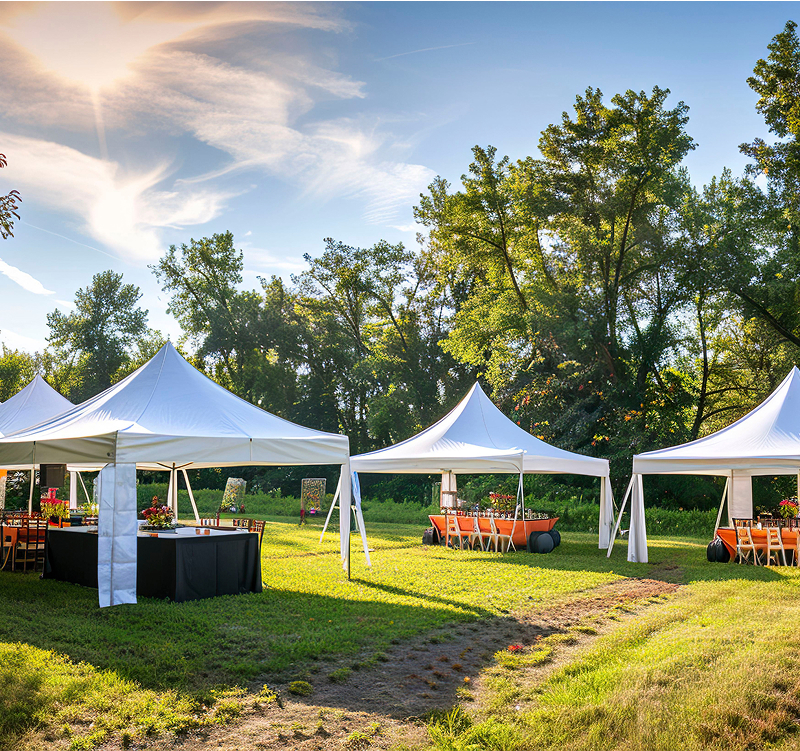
{"points": [[90, 508], [158, 515], [52, 507], [788, 508]]}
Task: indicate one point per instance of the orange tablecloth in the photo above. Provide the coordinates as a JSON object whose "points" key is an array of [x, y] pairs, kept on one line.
{"points": [[728, 536], [504, 526]]}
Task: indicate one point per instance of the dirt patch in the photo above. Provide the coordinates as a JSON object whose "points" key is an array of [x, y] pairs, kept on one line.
{"points": [[379, 707]]}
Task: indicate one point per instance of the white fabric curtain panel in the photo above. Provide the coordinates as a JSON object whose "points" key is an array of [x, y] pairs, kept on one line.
{"points": [[116, 535], [606, 512]]}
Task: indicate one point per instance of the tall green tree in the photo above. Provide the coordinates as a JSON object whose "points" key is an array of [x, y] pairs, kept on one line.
{"points": [[101, 336], [244, 338]]}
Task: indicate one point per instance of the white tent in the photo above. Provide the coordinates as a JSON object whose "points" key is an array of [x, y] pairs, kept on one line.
{"points": [[766, 441], [476, 437], [165, 415], [37, 402]]}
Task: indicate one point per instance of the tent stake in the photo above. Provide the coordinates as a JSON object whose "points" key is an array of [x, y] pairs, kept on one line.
{"points": [[619, 518]]}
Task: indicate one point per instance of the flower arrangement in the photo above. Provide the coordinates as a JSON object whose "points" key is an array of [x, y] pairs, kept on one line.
{"points": [[158, 516], [51, 507], [788, 508], [502, 502], [233, 497], [90, 508]]}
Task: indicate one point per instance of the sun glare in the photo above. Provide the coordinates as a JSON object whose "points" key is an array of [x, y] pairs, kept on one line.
{"points": [[88, 43]]}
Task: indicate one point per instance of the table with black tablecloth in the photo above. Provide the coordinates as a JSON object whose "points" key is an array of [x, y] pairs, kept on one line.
{"points": [[171, 566]]}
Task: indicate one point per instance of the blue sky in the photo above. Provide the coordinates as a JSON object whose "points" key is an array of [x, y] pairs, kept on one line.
{"points": [[129, 127]]}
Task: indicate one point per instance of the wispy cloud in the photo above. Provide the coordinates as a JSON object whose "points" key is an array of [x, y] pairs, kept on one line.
{"points": [[25, 280], [120, 211], [12, 340], [174, 70], [424, 49]]}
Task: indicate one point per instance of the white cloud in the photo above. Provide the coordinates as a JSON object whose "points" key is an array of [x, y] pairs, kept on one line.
{"points": [[25, 280], [120, 211], [165, 71], [13, 340]]}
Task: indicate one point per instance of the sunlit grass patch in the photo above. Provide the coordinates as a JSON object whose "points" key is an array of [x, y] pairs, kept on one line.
{"points": [[42, 689]]}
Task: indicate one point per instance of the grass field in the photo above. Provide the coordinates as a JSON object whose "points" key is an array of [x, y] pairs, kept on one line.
{"points": [[713, 667]]}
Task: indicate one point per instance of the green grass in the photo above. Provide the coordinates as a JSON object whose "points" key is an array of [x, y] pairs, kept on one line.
{"points": [[165, 667]]}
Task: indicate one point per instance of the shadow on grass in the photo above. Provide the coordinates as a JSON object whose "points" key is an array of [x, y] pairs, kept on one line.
{"points": [[424, 597], [669, 560]]}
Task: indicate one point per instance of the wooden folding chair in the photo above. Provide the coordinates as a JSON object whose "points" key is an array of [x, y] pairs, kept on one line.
{"points": [[9, 535], [774, 544], [795, 551], [454, 530], [476, 535], [745, 546], [258, 527], [502, 543], [30, 548]]}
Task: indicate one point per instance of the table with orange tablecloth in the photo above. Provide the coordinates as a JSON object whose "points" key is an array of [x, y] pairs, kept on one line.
{"points": [[728, 536]]}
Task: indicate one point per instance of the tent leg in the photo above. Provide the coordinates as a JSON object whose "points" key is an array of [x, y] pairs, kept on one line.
{"points": [[30, 495], [330, 510], [73, 490], [721, 504], [191, 495], [83, 485], [619, 518]]}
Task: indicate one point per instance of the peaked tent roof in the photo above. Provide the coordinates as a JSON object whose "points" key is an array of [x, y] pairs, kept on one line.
{"points": [[168, 412], [764, 441], [37, 402], [477, 437]]}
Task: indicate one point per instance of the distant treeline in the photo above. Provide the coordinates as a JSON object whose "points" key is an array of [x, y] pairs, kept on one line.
{"points": [[607, 304]]}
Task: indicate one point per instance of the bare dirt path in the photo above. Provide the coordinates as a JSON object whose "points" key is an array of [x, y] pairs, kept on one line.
{"points": [[381, 707]]}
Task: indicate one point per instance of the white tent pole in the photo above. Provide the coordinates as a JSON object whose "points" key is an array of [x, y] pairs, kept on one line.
{"points": [[619, 518], [730, 490], [73, 490], [798, 485], [333, 506], [83, 485], [168, 499], [722, 503], [191, 496], [30, 495]]}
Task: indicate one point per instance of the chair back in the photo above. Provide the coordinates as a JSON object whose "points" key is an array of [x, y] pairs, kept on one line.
{"points": [[452, 524], [743, 536], [742, 522], [32, 535], [492, 524], [774, 537], [258, 527], [242, 522]]}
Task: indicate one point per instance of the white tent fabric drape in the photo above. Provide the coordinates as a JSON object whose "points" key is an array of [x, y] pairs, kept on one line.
{"points": [[476, 437], [116, 535]]}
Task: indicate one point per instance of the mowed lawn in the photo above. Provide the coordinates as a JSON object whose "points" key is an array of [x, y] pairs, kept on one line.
{"points": [[87, 675]]}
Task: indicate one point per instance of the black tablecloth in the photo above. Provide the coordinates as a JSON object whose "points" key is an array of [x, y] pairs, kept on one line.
{"points": [[176, 567]]}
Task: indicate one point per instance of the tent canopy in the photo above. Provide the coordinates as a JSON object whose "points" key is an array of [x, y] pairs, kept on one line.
{"points": [[165, 413], [477, 437], [766, 441], [37, 402]]}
